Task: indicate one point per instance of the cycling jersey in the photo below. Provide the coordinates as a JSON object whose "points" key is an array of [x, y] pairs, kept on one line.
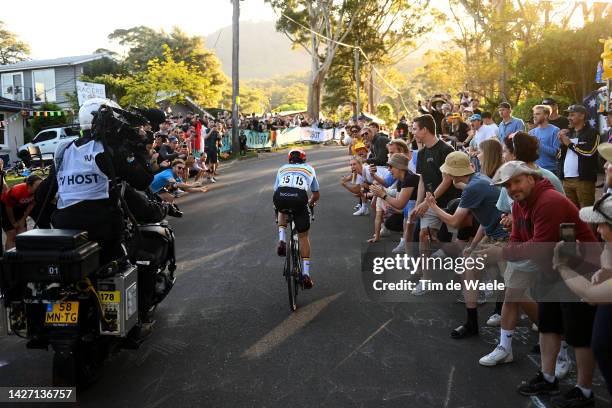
{"points": [[301, 176]]}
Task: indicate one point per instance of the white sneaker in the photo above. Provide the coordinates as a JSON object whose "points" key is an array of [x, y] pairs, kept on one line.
{"points": [[439, 254], [562, 366], [419, 290], [359, 211], [384, 232], [494, 320], [366, 209], [400, 248], [497, 356], [212, 180], [534, 327]]}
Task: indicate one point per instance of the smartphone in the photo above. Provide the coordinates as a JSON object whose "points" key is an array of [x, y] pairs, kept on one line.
{"points": [[567, 232]]}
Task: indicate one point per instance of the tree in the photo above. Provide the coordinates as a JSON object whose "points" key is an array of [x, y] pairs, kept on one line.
{"points": [[11, 49], [172, 79], [326, 17], [385, 112]]}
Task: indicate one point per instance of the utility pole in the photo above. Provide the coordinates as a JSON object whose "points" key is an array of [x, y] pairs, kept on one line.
{"points": [[235, 77], [357, 104]]}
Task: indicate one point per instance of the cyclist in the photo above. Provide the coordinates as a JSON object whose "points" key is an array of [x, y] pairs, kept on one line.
{"points": [[293, 181]]}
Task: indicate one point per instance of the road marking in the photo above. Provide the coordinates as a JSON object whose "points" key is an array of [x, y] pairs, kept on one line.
{"points": [[370, 337], [182, 267], [288, 327], [449, 386]]}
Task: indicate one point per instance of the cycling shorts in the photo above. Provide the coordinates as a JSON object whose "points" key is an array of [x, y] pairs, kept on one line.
{"points": [[295, 199]]}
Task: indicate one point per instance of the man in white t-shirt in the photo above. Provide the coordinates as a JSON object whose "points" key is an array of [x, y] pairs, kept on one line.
{"points": [[487, 120], [479, 133]]}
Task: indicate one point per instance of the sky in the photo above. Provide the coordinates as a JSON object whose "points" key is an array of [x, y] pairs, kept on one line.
{"points": [[75, 27]]}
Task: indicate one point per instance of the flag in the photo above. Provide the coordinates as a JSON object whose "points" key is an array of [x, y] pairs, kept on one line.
{"points": [[590, 103]]}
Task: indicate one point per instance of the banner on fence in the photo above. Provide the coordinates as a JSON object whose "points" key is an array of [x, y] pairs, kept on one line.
{"points": [[264, 140]]}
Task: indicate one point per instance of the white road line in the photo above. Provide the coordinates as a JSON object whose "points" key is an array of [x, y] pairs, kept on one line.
{"points": [[449, 386], [370, 337], [288, 327]]}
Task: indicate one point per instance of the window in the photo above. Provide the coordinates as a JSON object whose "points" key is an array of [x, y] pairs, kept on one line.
{"points": [[2, 130], [44, 136], [44, 85], [12, 86]]}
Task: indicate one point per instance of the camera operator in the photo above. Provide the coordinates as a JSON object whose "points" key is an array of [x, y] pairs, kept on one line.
{"points": [[85, 176]]}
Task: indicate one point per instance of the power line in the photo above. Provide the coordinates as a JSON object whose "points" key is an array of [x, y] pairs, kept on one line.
{"points": [[353, 47]]}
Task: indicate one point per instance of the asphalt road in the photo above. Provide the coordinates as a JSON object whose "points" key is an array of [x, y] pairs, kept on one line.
{"points": [[225, 336]]}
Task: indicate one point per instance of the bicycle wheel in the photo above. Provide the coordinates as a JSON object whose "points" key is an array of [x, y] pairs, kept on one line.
{"points": [[291, 283]]}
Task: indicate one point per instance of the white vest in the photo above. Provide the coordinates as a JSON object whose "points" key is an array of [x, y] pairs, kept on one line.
{"points": [[79, 178]]}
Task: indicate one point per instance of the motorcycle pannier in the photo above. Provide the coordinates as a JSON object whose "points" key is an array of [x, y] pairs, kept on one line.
{"points": [[52, 255]]}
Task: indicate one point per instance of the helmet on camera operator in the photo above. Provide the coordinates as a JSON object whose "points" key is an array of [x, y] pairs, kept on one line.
{"points": [[87, 176]]}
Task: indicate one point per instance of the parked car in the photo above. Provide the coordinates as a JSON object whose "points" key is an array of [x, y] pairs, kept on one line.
{"points": [[48, 139]]}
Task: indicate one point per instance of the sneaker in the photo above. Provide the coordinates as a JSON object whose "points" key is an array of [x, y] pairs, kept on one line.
{"points": [[281, 249], [539, 386], [384, 232], [400, 248], [498, 356], [494, 320], [357, 206], [439, 254], [534, 327], [562, 366], [359, 211], [419, 290], [307, 282], [574, 398], [366, 209], [212, 180]]}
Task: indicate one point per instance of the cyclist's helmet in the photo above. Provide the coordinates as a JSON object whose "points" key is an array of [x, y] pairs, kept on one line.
{"points": [[296, 156]]}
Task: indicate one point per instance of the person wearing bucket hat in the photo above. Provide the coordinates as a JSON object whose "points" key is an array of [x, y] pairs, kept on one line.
{"points": [[578, 163], [599, 289], [478, 198], [534, 223]]}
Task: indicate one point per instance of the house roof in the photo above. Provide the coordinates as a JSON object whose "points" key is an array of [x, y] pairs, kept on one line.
{"points": [[48, 63], [8, 105]]}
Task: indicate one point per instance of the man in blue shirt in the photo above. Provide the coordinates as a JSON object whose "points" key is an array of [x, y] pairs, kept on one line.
{"points": [[509, 123], [169, 181], [547, 135]]}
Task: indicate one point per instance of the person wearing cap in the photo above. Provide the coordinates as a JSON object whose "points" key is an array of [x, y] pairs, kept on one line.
{"points": [[547, 136], [578, 163], [509, 123], [480, 133], [479, 197], [533, 223], [555, 119], [605, 151], [429, 160], [167, 151], [599, 289], [520, 276], [407, 185], [459, 130]]}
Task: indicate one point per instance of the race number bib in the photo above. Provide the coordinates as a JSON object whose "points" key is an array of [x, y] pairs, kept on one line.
{"points": [[293, 180]]}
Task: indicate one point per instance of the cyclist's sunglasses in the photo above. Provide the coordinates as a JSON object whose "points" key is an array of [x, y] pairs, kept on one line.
{"points": [[598, 204]]}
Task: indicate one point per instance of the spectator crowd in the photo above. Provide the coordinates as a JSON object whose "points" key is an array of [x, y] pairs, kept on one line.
{"points": [[453, 183]]}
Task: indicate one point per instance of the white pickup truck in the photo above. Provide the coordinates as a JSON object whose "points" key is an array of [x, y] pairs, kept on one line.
{"points": [[48, 139]]}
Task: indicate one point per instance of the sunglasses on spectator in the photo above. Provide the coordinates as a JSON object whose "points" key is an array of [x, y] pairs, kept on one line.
{"points": [[598, 203], [180, 168]]}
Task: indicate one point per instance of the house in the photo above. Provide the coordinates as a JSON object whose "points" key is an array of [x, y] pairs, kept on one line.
{"points": [[52, 80], [11, 129]]}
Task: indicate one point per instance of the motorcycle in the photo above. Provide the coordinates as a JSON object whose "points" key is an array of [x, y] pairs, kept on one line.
{"points": [[54, 292]]}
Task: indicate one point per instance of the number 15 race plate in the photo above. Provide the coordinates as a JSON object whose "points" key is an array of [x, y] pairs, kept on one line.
{"points": [[62, 313]]}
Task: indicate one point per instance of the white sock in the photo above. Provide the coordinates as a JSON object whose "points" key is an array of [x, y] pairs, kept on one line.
{"points": [[505, 339], [549, 378], [281, 233], [585, 391], [306, 266], [563, 350]]}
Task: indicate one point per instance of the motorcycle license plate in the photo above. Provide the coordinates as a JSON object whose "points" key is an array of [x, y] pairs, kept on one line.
{"points": [[62, 313]]}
